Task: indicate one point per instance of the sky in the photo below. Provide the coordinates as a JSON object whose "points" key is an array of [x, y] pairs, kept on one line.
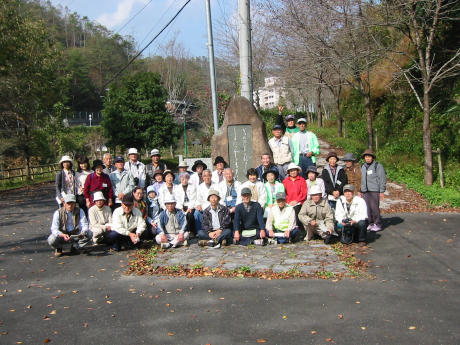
{"points": [[189, 27]]}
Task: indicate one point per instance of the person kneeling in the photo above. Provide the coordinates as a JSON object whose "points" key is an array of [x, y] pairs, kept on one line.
{"points": [[100, 218], [317, 217], [281, 224], [351, 216], [128, 225], [70, 226], [249, 224], [215, 228], [172, 225]]}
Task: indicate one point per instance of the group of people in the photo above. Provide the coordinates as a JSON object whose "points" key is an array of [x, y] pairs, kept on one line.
{"points": [[122, 203]]}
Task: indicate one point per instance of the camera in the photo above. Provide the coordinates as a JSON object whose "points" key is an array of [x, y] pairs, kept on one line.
{"points": [[347, 221], [136, 181]]}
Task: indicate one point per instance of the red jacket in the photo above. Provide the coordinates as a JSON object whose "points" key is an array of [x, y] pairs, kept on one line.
{"points": [[295, 190], [96, 183]]}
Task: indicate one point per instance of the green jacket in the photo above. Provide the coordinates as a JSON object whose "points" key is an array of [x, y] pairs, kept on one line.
{"points": [[271, 198], [295, 146]]}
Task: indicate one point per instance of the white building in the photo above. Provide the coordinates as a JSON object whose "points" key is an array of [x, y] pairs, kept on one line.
{"points": [[270, 94]]}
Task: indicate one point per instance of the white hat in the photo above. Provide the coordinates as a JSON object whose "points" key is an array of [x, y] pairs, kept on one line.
{"points": [[150, 188], [169, 199], [302, 119], [133, 151], [98, 196], [70, 198], [293, 166], [155, 152], [65, 159], [315, 190]]}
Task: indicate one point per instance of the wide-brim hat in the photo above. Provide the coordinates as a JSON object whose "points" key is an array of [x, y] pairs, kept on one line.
{"points": [[349, 157], [155, 152], [315, 190], [65, 159], [70, 198], [182, 165], [292, 166], [169, 199], [368, 152], [312, 169], [220, 159], [133, 151], [98, 196], [264, 175], [168, 172], [98, 162], [332, 154], [213, 192], [199, 162], [158, 172]]}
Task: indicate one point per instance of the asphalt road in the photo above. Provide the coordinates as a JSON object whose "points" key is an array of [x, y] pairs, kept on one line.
{"points": [[86, 299]]}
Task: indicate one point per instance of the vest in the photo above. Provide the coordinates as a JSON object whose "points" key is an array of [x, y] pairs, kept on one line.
{"points": [[271, 198], [281, 218], [282, 153], [63, 220]]}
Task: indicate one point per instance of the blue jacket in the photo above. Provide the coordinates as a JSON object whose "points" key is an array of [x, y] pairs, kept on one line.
{"points": [[164, 219], [260, 172]]}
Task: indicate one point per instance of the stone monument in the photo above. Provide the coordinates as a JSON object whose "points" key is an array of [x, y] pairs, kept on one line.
{"points": [[242, 139]]}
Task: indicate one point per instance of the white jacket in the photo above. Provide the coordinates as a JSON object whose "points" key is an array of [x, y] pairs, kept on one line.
{"points": [[262, 198], [358, 209], [121, 225], [215, 178], [162, 193], [179, 195], [137, 170], [222, 188], [320, 183], [202, 195]]}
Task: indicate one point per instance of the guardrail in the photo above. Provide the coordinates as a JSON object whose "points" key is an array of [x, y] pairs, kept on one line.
{"points": [[18, 174]]}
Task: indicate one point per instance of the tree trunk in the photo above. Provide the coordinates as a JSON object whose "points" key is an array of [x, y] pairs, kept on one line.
{"points": [[27, 153], [367, 104], [319, 111], [427, 139], [339, 117]]}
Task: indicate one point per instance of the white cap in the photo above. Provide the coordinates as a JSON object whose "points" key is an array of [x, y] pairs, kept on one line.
{"points": [[155, 152], [169, 199], [302, 119], [293, 166], [150, 188], [70, 198], [133, 151], [65, 159], [315, 190], [98, 196]]}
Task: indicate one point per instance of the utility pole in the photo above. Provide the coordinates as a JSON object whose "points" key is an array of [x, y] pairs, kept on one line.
{"points": [[212, 69], [244, 19]]}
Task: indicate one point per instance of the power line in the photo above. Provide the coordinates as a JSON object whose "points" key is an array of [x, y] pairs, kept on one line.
{"points": [[134, 16], [148, 44]]}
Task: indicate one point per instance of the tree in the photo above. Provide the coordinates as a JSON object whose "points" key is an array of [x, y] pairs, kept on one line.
{"points": [[423, 23], [135, 114]]}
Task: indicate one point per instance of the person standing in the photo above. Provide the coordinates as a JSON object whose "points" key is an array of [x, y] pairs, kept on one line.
{"points": [[198, 167], [65, 180], [281, 150], [334, 178], [82, 173], [151, 168], [98, 181], [135, 167], [352, 170], [304, 147], [122, 182], [229, 190], [291, 128], [109, 167], [373, 186]]}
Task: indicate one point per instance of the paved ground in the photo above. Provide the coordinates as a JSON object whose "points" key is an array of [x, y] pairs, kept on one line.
{"points": [[87, 300]]}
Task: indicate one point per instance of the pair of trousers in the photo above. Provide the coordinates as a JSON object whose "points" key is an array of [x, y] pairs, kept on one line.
{"points": [[226, 234], [282, 171], [302, 231], [354, 233], [172, 239], [198, 218], [58, 242], [321, 230], [293, 236], [304, 163], [115, 239], [372, 200], [244, 241]]}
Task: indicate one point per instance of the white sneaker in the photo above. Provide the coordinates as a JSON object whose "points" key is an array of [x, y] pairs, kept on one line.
{"points": [[217, 246], [259, 242], [369, 227], [165, 245], [185, 243], [272, 241]]}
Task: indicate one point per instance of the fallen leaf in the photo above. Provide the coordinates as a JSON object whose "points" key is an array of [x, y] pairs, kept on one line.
{"points": [[357, 302], [29, 306], [46, 341], [85, 324], [363, 328], [75, 291], [340, 316], [170, 334], [12, 310], [4, 333], [108, 302], [412, 328], [46, 317], [328, 340], [53, 312], [313, 332], [449, 240], [222, 298], [284, 317], [261, 341]]}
